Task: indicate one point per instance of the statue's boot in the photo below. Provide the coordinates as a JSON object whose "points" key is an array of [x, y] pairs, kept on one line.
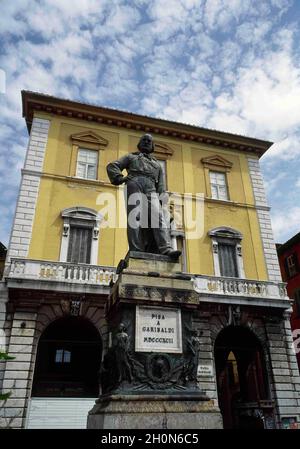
{"points": [[172, 253]]}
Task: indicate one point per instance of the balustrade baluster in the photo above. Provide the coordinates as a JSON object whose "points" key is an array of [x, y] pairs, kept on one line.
{"points": [[93, 275], [101, 275], [60, 272], [74, 271], [69, 273], [42, 271], [88, 272]]}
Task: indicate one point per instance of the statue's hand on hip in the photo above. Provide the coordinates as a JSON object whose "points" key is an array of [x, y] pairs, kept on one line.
{"points": [[120, 180]]}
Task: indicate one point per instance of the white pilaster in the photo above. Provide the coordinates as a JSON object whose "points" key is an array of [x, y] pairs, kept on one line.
{"points": [[263, 213], [28, 193]]}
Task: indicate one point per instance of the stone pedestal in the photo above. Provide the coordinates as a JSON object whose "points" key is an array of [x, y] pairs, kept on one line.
{"points": [[149, 373], [154, 412]]}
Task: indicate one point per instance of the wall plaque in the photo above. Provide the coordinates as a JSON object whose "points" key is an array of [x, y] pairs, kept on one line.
{"points": [[205, 370], [158, 330]]}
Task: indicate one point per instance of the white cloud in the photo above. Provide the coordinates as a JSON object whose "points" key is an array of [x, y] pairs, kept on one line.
{"points": [[285, 223], [253, 33], [225, 64], [173, 10], [285, 149], [121, 19]]}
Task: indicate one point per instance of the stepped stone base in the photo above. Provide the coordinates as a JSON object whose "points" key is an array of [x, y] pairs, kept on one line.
{"points": [[154, 412]]}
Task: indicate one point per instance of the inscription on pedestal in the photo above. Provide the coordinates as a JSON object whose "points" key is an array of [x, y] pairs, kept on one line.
{"points": [[158, 330]]}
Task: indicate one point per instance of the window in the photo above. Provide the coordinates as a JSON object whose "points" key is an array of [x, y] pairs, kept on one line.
{"points": [[180, 244], [80, 241], [80, 235], [228, 260], [227, 252], [178, 238], [218, 185], [62, 356], [87, 164], [164, 171], [291, 265]]}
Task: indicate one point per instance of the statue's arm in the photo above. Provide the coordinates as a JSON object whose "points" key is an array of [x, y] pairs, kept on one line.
{"points": [[114, 170]]}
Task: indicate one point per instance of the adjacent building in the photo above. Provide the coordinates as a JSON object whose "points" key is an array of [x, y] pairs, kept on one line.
{"points": [[61, 260], [3, 251], [289, 260]]}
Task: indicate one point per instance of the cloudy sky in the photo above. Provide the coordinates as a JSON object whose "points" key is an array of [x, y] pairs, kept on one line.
{"points": [[231, 65]]}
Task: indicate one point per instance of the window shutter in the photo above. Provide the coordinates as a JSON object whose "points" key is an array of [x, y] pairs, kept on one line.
{"points": [[80, 241], [227, 259], [286, 267], [296, 261]]}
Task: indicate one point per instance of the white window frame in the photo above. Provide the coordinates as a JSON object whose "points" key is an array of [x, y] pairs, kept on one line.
{"points": [[232, 235], [175, 236], [218, 186], [163, 164], [87, 164], [84, 214]]}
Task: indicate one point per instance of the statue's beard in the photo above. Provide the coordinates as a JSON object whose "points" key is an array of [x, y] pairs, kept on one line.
{"points": [[146, 150]]}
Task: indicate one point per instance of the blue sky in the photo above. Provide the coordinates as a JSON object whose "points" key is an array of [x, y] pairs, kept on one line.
{"points": [[231, 65]]}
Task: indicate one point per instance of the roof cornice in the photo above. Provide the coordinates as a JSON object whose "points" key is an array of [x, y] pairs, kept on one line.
{"points": [[36, 102], [281, 248]]}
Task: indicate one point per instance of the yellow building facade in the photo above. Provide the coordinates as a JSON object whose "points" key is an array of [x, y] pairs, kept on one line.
{"points": [[60, 188], [62, 259]]}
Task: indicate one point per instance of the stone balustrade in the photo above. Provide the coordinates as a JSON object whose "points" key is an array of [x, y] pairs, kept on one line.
{"points": [[85, 274], [61, 272], [212, 285]]}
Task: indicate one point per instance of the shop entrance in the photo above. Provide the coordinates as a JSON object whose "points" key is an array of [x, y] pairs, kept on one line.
{"points": [[242, 379], [68, 360]]}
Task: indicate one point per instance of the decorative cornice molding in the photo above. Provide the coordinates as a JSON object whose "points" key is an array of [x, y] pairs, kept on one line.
{"points": [[36, 102]]}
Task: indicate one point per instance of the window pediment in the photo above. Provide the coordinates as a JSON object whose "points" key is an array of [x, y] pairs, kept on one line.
{"points": [[162, 151], [225, 232], [89, 139], [78, 212], [217, 163]]}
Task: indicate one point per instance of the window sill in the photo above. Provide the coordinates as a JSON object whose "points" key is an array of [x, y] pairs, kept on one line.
{"points": [[89, 181], [216, 200]]}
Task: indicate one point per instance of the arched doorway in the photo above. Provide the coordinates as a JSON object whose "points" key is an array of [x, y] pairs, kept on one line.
{"points": [[242, 379], [68, 360]]}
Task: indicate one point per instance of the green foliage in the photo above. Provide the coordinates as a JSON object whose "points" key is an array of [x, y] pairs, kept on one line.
{"points": [[5, 356], [4, 397]]}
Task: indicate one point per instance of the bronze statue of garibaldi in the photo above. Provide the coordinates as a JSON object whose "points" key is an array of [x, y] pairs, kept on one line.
{"points": [[145, 181]]}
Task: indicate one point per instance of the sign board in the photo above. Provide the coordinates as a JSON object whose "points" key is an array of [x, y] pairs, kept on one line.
{"points": [[158, 330], [205, 370]]}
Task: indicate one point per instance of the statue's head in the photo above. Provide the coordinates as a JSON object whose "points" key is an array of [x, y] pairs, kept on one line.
{"points": [[122, 327], [146, 144]]}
